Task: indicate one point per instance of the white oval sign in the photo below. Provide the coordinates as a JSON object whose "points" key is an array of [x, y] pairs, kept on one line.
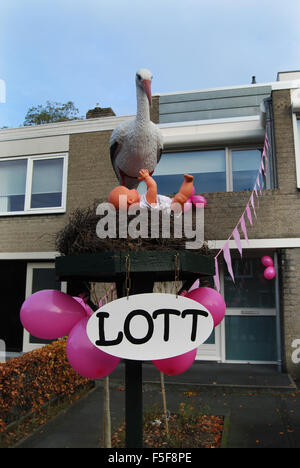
{"points": [[147, 327]]}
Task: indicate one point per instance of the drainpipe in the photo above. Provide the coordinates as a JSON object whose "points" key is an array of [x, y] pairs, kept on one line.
{"points": [[277, 305], [268, 103]]}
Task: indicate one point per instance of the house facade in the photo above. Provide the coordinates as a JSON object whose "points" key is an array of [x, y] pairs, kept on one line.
{"points": [[46, 172]]}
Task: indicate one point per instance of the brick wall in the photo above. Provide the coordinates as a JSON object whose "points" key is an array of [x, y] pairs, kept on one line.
{"points": [[290, 306], [90, 172], [289, 222], [90, 177]]}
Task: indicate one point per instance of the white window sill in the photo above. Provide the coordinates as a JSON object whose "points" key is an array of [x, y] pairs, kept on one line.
{"points": [[34, 212]]}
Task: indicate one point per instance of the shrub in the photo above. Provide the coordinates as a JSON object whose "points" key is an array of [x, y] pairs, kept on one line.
{"points": [[31, 380]]}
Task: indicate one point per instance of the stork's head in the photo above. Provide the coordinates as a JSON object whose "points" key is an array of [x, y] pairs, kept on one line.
{"points": [[143, 80]]}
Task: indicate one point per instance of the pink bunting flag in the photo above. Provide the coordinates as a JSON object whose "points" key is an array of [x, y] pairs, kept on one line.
{"points": [[249, 215], [217, 277], [237, 239], [258, 184], [244, 229], [253, 204], [227, 257], [100, 303]]}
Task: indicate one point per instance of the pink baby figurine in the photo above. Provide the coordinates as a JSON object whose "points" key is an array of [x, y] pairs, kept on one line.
{"points": [[151, 199]]}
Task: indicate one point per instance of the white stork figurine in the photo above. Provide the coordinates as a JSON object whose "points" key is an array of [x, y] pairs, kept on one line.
{"points": [[137, 144]]}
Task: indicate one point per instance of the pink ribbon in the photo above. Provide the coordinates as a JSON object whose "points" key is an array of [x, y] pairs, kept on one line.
{"points": [[237, 239], [244, 229], [249, 215]]}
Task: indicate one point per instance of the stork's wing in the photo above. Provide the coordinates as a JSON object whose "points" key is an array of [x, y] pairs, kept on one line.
{"points": [[160, 143], [116, 141], [114, 149]]}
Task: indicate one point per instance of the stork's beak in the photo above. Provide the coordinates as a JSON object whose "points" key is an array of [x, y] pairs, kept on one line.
{"points": [[147, 88]]}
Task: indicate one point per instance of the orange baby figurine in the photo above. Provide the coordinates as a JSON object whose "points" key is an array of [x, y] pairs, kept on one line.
{"points": [[151, 199]]}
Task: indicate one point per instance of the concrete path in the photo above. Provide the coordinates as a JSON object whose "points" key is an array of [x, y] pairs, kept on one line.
{"points": [[263, 406]]}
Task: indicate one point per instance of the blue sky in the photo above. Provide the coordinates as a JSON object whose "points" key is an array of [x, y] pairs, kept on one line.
{"points": [[88, 51]]}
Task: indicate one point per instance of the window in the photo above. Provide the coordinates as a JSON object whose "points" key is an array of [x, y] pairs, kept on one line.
{"points": [[228, 169], [207, 167], [36, 184], [245, 164]]}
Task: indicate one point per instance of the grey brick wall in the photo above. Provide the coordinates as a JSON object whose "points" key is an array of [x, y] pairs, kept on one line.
{"points": [[289, 205], [90, 177], [290, 306]]}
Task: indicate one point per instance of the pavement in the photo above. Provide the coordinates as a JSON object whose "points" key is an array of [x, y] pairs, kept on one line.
{"points": [[261, 406]]}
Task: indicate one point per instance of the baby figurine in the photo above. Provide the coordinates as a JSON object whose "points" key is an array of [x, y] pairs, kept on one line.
{"points": [[151, 199]]}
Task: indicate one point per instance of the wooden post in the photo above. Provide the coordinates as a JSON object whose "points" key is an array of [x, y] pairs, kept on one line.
{"points": [[133, 372], [134, 404]]}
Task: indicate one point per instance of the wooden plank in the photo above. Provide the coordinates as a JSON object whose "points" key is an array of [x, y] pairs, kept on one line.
{"points": [[195, 264], [88, 265], [104, 267]]}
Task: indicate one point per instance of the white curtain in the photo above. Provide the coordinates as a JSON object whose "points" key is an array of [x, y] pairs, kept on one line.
{"points": [[13, 177], [47, 176]]}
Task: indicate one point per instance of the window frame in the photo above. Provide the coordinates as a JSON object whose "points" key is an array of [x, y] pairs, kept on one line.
{"points": [[28, 187], [228, 161]]}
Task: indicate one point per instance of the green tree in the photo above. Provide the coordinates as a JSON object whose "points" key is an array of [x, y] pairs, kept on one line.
{"points": [[51, 112]]}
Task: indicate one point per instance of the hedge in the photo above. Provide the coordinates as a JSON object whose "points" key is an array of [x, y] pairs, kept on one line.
{"points": [[31, 380]]}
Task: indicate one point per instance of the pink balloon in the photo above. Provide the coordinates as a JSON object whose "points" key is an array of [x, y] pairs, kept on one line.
{"points": [[50, 314], [86, 307], [267, 261], [270, 273], [212, 300], [87, 360], [176, 365], [198, 199]]}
